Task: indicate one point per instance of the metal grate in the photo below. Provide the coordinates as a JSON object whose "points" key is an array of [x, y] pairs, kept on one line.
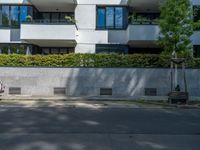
{"points": [[59, 91], [105, 91], [15, 91], [150, 92]]}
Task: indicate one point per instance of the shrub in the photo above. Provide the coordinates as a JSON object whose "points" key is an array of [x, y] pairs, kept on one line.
{"points": [[91, 60]]}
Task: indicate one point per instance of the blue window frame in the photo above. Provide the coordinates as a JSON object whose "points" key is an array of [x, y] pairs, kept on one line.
{"points": [[111, 17]]}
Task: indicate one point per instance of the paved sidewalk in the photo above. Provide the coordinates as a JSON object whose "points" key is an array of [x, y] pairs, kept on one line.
{"points": [[72, 104]]}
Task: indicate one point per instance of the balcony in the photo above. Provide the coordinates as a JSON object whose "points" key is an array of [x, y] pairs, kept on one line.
{"points": [[196, 38], [45, 33], [143, 34]]}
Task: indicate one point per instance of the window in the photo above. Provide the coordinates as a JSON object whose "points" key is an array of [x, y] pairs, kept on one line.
{"points": [[57, 50], [111, 48], [109, 17], [197, 51], [145, 50], [101, 18], [55, 17], [13, 48], [23, 13], [14, 16], [5, 16], [46, 17], [119, 17], [0, 15]]}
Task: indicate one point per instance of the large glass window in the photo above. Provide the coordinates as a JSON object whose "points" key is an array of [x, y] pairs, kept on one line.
{"points": [[101, 18], [14, 16], [23, 13], [46, 17], [111, 17], [0, 15], [197, 51], [111, 48], [119, 17], [55, 17], [13, 48], [5, 16]]}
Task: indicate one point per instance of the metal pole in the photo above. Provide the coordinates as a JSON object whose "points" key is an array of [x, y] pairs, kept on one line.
{"points": [[171, 76], [9, 52], [184, 76], [176, 72]]}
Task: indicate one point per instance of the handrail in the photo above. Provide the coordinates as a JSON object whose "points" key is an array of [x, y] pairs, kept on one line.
{"points": [[48, 21], [144, 23]]}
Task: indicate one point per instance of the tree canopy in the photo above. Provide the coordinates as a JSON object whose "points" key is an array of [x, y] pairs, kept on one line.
{"points": [[176, 25]]}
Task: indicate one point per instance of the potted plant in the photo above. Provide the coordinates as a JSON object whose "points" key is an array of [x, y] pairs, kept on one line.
{"points": [[29, 18], [131, 18], [70, 19]]}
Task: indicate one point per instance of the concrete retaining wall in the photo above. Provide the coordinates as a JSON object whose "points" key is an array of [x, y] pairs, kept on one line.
{"points": [[86, 82]]}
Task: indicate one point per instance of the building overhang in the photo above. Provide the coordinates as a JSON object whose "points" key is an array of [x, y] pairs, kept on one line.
{"points": [[145, 5], [54, 5]]}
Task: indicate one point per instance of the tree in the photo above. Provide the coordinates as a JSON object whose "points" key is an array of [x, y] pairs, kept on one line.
{"points": [[176, 26]]}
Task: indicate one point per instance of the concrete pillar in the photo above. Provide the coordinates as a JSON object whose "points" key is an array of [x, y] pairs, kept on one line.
{"points": [[0, 51], [17, 50], [28, 51], [9, 51]]}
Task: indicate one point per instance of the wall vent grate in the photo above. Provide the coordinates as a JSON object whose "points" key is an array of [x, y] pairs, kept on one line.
{"points": [[15, 91], [59, 91], [150, 92], [105, 91]]}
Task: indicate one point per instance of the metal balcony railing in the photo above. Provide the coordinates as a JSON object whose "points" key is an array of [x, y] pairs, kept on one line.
{"points": [[143, 22], [49, 21]]}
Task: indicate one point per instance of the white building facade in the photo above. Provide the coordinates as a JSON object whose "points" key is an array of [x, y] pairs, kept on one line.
{"points": [[81, 26]]}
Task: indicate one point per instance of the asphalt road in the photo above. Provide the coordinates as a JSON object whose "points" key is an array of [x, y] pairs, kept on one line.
{"points": [[62, 128]]}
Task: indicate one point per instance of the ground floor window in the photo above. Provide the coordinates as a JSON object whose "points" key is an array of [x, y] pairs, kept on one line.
{"points": [[196, 50], [33, 49], [135, 50], [14, 48], [57, 50], [111, 48]]}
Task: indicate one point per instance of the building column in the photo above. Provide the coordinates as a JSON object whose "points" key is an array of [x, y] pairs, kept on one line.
{"points": [[9, 51], [28, 51], [17, 50], [0, 51]]}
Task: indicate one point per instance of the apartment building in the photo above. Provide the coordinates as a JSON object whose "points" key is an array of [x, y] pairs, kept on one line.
{"points": [[81, 26]]}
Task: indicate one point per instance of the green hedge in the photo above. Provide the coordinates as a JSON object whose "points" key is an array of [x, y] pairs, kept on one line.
{"points": [[90, 60]]}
